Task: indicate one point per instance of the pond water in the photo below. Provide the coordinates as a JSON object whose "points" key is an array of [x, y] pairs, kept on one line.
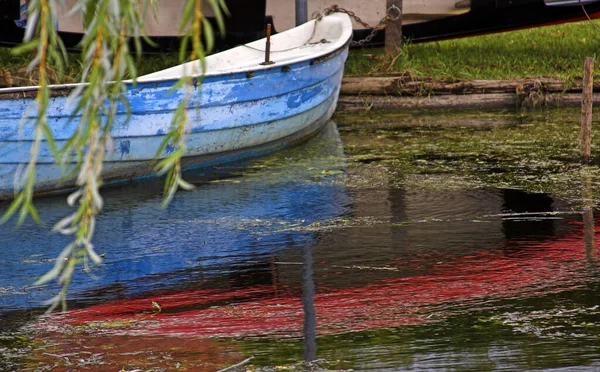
{"points": [[387, 242]]}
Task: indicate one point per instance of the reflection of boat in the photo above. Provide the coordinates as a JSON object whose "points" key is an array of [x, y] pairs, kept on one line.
{"points": [[228, 225], [243, 108], [450, 287], [423, 20]]}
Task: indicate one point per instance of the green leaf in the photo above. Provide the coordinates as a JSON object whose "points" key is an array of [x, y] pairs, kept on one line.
{"points": [[218, 13], [188, 14], [50, 140], [14, 205], [25, 47], [34, 214], [208, 34], [90, 12], [183, 48], [185, 185], [24, 209]]}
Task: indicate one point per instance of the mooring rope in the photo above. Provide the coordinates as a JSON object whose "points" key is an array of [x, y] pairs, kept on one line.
{"points": [[588, 16], [296, 47], [318, 16]]}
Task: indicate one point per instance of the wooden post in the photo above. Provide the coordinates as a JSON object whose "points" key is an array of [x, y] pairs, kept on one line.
{"points": [[393, 31], [586, 110]]}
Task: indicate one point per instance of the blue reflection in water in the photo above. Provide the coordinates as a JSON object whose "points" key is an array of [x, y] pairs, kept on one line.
{"points": [[222, 225]]}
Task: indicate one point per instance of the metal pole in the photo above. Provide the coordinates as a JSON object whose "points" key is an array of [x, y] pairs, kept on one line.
{"points": [[268, 47], [301, 12]]}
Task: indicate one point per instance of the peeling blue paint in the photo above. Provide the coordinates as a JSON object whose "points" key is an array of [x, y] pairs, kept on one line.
{"points": [[124, 147], [169, 149], [301, 97]]}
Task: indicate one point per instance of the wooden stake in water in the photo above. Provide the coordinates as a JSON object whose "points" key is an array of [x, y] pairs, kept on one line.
{"points": [[393, 31], [586, 110]]}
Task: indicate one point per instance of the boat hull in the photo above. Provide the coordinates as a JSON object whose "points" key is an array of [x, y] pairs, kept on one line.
{"points": [[283, 133], [231, 117]]}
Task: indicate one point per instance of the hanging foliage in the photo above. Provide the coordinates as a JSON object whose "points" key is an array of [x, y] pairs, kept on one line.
{"points": [[111, 29]]}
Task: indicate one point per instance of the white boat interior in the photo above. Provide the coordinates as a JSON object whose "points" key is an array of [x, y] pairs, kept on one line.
{"points": [[310, 40]]}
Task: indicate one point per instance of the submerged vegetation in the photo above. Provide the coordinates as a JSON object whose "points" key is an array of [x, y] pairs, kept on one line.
{"points": [[533, 151]]}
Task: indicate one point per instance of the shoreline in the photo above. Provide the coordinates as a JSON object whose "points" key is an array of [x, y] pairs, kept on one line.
{"points": [[402, 92]]}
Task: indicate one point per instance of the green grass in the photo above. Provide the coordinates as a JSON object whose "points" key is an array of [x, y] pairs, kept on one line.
{"points": [[552, 51]]}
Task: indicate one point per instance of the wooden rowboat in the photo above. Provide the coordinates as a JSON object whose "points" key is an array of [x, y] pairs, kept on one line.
{"points": [[242, 108]]}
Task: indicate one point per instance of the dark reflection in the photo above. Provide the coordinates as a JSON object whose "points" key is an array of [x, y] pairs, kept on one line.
{"points": [[524, 224], [589, 235], [309, 330], [251, 274], [589, 228], [397, 200]]}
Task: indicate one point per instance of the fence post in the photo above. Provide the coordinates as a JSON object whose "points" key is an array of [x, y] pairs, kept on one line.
{"points": [[393, 31]]}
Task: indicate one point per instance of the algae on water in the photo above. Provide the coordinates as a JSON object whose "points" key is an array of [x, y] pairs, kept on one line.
{"points": [[532, 151]]}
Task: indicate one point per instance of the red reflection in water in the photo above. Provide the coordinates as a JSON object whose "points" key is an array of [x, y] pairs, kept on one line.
{"points": [[466, 282]]}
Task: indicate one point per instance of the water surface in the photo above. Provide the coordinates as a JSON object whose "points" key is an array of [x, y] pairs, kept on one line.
{"points": [[422, 242]]}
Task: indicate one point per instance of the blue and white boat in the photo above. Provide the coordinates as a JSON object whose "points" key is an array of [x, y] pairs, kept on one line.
{"points": [[241, 109]]}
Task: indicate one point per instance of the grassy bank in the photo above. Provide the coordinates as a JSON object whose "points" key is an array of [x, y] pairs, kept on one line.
{"points": [[552, 51]]}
